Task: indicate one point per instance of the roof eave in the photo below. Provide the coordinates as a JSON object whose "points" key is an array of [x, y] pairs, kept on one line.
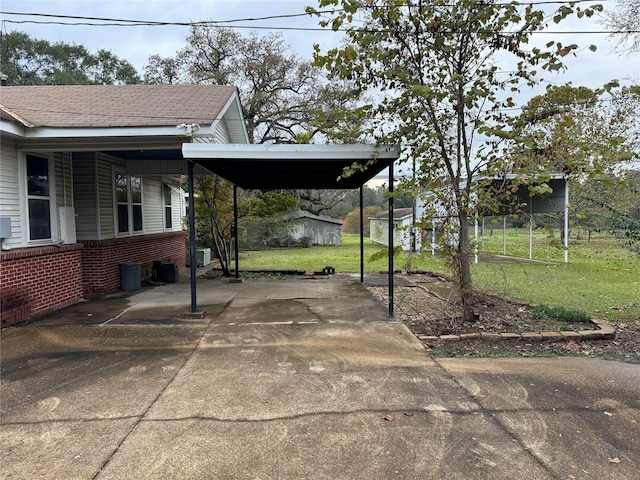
{"points": [[40, 133]]}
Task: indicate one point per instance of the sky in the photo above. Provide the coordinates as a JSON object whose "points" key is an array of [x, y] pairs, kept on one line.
{"points": [[136, 44]]}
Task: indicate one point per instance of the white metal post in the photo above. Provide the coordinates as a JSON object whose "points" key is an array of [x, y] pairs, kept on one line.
{"points": [[476, 241], [433, 240], [531, 229], [504, 234]]}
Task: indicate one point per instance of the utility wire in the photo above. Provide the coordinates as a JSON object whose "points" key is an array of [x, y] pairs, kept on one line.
{"points": [[305, 29], [115, 22]]}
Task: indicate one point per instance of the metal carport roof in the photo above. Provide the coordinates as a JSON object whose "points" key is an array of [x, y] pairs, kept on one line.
{"points": [[292, 166]]}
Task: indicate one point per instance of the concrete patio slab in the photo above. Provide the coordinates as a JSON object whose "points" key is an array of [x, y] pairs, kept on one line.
{"points": [[295, 379]]}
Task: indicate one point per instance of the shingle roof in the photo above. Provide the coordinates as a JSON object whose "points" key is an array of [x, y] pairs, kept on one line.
{"points": [[100, 106], [398, 213]]}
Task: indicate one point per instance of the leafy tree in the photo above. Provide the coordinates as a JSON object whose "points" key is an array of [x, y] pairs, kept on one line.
{"points": [[612, 205], [284, 98], [435, 66], [623, 17], [577, 131], [352, 222], [29, 61], [213, 211]]}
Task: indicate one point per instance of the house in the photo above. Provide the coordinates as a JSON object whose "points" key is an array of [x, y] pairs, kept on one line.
{"points": [[403, 233], [320, 229], [90, 178]]}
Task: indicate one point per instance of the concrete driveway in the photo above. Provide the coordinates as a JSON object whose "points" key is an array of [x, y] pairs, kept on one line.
{"points": [[295, 379]]}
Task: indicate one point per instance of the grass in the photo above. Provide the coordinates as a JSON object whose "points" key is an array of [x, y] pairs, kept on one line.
{"points": [[560, 313], [601, 278]]}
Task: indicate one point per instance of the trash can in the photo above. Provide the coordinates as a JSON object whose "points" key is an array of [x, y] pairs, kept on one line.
{"points": [[130, 276]]}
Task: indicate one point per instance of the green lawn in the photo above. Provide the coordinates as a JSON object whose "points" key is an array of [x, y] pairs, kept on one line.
{"points": [[601, 278]]}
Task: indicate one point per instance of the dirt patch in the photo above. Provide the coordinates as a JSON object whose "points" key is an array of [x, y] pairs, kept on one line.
{"points": [[430, 308]]}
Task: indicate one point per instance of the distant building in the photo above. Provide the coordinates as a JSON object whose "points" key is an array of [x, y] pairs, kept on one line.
{"points": [[403, 233], [321, 229]]}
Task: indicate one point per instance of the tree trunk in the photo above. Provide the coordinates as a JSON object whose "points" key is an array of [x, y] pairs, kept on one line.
{"points": [[220, 250], [463, 267]]}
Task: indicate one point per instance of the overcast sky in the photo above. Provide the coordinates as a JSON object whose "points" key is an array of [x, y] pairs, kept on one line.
{"points": [[136, 44]]}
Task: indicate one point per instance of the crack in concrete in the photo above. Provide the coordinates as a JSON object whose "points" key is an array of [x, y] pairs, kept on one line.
{"points": [[492, 414], [141, 418]]}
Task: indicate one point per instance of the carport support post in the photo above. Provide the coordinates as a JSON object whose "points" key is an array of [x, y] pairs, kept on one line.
{"points": [[566, 221], [235, 227], [192, 236], [361, 235], [391, 239]]}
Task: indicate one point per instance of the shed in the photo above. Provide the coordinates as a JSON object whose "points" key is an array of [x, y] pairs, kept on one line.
{"points": [[320, 229]]}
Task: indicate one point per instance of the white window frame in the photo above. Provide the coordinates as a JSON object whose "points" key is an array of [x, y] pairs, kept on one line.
{"points": [[25, 197], [130, 204]]}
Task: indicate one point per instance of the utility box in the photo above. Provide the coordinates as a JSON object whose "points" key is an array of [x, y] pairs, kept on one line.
{"points": [[203, 257], [157, 269], [169, 273], [130, 276]]}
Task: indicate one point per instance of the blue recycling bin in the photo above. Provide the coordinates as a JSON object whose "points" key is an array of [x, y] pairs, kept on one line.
{"points": [[130, 276]]}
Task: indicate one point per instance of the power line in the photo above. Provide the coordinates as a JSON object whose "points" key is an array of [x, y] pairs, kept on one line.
{"points": [[115, 22], [304, 29]]}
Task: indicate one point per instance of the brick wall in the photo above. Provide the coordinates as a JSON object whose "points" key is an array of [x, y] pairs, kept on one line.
{"points": [[42, 279], [100, 259]]}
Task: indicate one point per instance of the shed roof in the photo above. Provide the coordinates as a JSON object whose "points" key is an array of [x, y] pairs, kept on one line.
{"points": [[298, 214], [104, 106]]}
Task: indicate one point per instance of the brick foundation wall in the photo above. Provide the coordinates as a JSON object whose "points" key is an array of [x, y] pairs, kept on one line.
{"points": [[41, 279], [100, 259]]}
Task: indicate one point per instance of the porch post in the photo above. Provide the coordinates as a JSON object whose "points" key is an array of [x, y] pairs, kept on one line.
{"points": [[391, 239], [361, 235], [235, 226], [192, 236]]}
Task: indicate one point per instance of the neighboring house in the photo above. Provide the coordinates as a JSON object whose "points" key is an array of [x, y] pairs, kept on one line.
{"points": [[90, 178], [403, 234], [320, 229]]}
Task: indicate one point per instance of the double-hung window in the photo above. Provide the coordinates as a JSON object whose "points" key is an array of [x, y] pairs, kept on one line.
{"points": [[128, 190], [38, 197]]}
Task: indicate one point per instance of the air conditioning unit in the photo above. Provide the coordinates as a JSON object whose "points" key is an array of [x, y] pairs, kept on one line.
{"points": [[203, 257]]}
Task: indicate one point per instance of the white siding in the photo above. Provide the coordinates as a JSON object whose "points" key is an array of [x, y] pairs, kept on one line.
{"points": [[105, 167], [152, 205], [63, 185], [9, 191], [177, 206], [64, 175], [85, 195], [221, 133]]}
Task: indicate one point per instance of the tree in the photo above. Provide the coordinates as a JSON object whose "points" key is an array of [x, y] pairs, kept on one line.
{"points": [[29, 61], [435, 64], [285, 99], [352, 222], [214, 216], [623, 19], [579, 131]]}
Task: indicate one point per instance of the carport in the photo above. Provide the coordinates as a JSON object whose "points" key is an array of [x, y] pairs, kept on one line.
{"points": [[291, 166]]}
